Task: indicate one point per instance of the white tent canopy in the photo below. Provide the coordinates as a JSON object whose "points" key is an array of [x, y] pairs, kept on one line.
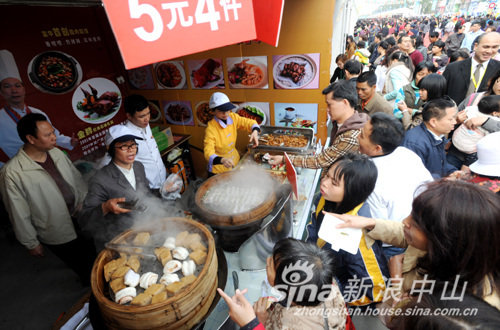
{"points": [[396, 12]]}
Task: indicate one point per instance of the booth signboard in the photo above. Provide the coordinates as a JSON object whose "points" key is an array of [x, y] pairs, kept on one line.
{"points": [[156, 30]]}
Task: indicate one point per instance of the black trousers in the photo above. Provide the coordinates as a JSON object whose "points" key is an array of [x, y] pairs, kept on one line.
{"points": [[79, 255]]}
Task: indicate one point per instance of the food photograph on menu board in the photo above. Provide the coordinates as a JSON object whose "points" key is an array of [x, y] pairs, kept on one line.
{"points": [[259, 111], [97, 100], [203, 113], [247, 72], [141, 78], [178, 113], [206, 74], [299, 71], [155, 112], [301, 115], [171, 75], [54, 72]]}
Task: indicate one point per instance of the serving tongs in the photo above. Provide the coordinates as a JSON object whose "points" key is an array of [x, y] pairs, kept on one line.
{"points": [[129, 249], [262, 139]]}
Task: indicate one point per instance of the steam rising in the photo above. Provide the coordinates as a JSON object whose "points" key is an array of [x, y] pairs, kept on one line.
{"points": [[247, 188]]}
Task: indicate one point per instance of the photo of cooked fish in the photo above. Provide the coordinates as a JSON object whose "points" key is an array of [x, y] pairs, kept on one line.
{"points": [[206, 74], [96, 100]]}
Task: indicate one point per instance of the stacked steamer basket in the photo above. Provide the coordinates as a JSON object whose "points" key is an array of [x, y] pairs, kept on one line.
{"points": [[233, 228], [183, 310]]}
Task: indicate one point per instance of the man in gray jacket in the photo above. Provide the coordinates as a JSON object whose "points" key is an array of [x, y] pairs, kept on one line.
{"points": [[454, 41], [43, 192]]}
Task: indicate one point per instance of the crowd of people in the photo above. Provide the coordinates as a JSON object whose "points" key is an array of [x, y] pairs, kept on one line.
{"points": [[413, 161]]}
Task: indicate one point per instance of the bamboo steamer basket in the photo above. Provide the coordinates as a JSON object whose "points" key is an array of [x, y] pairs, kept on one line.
{"points": [[182, 311], [238, 219]]}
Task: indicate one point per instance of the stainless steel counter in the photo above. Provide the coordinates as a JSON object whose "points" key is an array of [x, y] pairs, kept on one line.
{"points": [[253, 280]]}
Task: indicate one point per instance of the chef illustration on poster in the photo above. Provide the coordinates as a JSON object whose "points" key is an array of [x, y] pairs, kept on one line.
{"points": [[13, 93]]}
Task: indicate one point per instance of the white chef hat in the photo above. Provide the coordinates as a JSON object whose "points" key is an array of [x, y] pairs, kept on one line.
{"points": [[8, 67]]}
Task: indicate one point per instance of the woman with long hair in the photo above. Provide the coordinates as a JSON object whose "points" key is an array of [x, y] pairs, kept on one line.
{"points": [[344, 189], [381, 70], [350, 50], [410, 93], [451, 236], [431, 87], [381, 50], [398, 74]]}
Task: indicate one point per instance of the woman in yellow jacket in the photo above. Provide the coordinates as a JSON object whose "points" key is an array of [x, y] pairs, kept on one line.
{"points": [[220, 135]]}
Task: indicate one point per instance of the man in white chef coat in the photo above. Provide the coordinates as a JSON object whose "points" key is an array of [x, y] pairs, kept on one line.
{"points": [[138, 114], [12, 90]]}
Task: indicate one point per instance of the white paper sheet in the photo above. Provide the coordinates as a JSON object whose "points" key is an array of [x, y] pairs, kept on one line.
{"points": [[346, 239]]}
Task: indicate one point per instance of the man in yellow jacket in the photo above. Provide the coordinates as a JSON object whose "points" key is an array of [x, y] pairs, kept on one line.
{"points": [[221, 133]]}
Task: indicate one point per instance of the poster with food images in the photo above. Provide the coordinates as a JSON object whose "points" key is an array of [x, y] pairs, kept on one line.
{"points": [[206, 74], [155, 112], [259, 111], [68, 72], [299, 71], [171, 75], [178, 113], [301, 115], [247, 72], [141, 78]]}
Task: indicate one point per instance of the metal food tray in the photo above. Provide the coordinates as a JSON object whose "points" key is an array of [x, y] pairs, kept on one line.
{"points": [[281, 130]]}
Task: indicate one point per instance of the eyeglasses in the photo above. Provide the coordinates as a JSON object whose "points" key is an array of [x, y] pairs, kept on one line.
{"points": [[127, 147]]}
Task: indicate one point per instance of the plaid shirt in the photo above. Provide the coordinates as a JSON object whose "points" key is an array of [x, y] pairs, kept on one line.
{"points": [[346, 142]]}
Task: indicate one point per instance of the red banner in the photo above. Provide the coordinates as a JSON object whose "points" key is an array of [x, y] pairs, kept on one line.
{"points": [[150, 31], [268, 15], [291, 174]]}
